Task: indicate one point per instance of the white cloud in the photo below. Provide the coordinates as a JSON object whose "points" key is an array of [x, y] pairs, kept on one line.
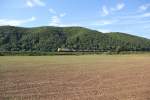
{"points": [[144, 7], [145, 15], [55, 21], [52, 11], [15, 22], [103, 30], [32, 3], [131, 22], [62, 14], [104, 22], [120, 6], [39, 2], [105, 11], [29, 3]]}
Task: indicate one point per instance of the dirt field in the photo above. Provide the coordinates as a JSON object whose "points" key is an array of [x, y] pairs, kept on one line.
{"points": [[92, 77]]}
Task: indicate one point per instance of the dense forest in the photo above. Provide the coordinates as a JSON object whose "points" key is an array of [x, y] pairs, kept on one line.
{"points": [[49, 39]]}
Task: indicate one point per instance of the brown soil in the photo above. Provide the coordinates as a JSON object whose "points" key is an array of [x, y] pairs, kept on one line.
{"points": [[75, 78]]}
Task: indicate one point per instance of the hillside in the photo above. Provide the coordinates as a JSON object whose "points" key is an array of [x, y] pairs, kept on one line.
{"points": [[50, 38]]}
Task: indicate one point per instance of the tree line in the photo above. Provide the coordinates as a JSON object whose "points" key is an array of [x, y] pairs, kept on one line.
{"points": [[49, 39]]}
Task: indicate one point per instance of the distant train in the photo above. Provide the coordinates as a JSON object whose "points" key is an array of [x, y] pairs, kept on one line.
{"points": [[65, 50], [73, 50]]}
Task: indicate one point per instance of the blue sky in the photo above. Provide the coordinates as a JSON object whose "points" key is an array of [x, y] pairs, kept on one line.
{"points": [[130, 16]]}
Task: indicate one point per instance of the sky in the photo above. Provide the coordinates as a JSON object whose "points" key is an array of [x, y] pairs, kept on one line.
{"points": [[128, 16]]}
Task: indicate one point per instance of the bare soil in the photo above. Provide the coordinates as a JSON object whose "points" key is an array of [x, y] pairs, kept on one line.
{"points": [[93, 77]]}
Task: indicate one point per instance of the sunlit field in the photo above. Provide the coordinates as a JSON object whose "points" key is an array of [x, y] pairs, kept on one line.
{"points": [[88, 77]]}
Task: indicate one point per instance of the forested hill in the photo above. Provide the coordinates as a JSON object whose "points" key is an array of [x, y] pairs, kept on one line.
{"points": [[49, 38]]}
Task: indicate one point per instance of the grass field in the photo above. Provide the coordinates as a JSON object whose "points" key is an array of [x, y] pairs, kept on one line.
{"points": [[90, 77]]}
